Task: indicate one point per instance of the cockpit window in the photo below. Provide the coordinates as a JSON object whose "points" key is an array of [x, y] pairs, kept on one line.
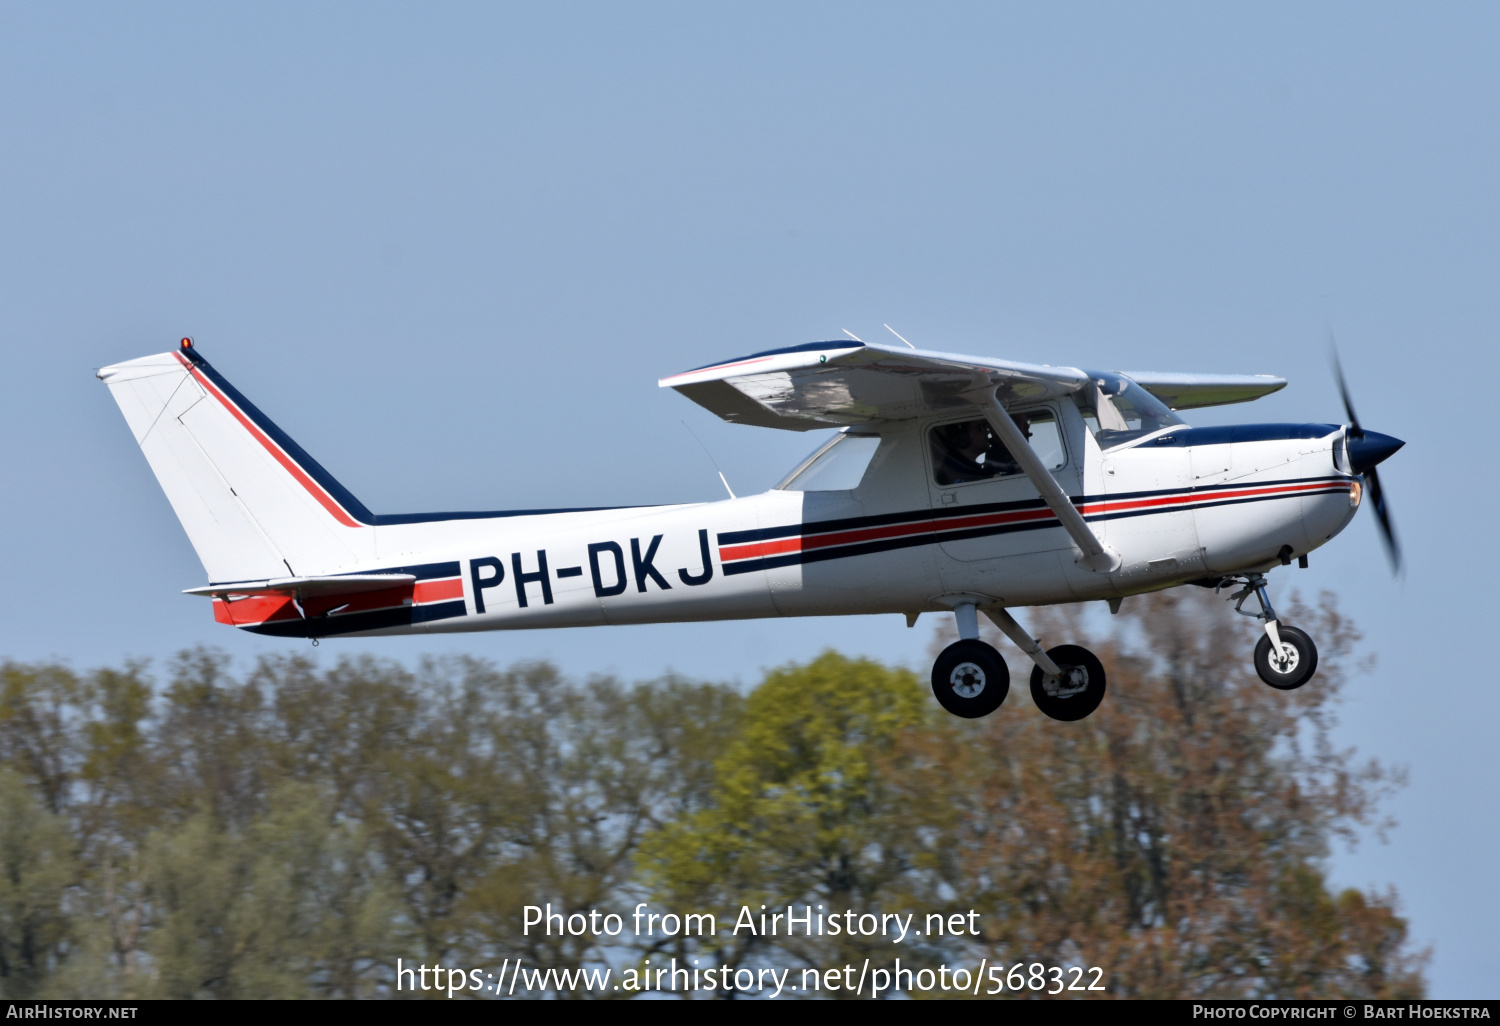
{"points": [[1121, 411], [969, 450], [837, 465]]}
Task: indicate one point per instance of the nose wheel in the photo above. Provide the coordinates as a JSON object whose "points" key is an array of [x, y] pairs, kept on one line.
{"points": [[1292, 665], [970, 679]]}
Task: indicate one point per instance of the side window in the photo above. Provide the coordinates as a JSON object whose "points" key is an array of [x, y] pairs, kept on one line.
{"points": [[837, 465], [969, 451]]}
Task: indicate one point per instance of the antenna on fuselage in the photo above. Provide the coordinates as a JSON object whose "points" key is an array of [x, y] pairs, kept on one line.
{"points": [[852, 335], [711, 460], [898, 334]]}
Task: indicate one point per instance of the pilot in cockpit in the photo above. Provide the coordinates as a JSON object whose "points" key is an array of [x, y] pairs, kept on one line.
{"points": [[969, 451]]}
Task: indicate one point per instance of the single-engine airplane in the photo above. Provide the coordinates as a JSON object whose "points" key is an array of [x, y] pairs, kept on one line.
{"points": [[955, 483]]}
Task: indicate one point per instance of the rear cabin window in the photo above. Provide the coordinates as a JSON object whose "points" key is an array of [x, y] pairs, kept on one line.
{"points": [[969, 450], [835, 466]]}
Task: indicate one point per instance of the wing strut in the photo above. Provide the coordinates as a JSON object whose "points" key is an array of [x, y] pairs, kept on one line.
{"points": [[1096, 555]]}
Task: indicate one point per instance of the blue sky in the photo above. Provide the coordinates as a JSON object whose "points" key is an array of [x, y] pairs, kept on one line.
{"points": [[450, 248]]}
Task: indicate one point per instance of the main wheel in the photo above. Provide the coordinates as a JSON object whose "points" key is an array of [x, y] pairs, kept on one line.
{"points": [[1078, 692], [1296, 663], [970, 679]]}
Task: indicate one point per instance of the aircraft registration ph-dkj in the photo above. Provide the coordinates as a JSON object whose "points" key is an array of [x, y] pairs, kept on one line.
{"points": [[956, 483]]}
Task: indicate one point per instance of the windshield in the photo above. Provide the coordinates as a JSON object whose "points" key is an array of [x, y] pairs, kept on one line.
{"points": [[1120, 411], [835, 466]]}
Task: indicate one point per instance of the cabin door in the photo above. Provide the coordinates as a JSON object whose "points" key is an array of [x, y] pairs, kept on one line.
{"points": [[983, 505]]}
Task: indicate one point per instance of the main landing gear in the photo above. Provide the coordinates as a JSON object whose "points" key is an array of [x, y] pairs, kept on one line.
{"points": [[1285, 657], [970, 678]]}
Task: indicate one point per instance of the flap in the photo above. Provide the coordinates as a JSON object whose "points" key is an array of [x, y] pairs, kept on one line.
{"points": [[831, 384], [347, 584]]}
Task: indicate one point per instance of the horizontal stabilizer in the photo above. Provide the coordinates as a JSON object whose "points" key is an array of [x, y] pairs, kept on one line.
{"points": [[320, 606], [321, 587]]}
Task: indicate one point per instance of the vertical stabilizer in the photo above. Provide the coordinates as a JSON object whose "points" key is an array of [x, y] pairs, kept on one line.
{"points": [[253, 503]]}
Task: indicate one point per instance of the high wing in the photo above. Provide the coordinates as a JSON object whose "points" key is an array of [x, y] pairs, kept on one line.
{"points": [[831, 384], [1191, 391]]}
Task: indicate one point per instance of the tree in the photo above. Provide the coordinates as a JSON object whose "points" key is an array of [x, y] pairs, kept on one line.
{"points": [[36, 870], [293, 905], [799, 814], [592, 769]]}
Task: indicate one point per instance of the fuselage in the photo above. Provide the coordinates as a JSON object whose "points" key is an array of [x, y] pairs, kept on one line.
{"points": [[1178, 505]]}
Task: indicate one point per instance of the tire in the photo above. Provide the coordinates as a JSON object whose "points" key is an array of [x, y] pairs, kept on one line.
{"points": [[1302, 659], [970, 679], [1075, 706]]}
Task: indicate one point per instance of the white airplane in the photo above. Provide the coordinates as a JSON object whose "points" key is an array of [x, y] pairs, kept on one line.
{"points": [[958, 484]]}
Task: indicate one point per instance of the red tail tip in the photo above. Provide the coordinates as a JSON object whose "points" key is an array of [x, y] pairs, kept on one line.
{"points": [[187, 343]]}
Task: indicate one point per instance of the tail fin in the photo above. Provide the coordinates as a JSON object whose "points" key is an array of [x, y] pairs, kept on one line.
{"points": [[253, 503]]}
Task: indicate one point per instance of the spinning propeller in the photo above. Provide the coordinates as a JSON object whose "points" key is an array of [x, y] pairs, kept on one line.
{"points": [[1367, 449]]}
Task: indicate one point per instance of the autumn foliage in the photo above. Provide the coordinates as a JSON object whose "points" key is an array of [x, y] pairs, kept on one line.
{"points": [[292, 831]]}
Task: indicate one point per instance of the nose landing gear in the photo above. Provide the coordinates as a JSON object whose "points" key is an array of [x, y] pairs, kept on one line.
{"points": [[1285, 657]]}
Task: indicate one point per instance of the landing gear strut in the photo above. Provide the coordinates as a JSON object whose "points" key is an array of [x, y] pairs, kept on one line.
{"points": [[1285, 657], [1067, 682]]}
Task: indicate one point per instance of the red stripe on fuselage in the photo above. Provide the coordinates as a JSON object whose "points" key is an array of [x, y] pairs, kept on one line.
{"points": [[290, 465], [1094, 508], [779, 546], [438, 591], [805, 543]]}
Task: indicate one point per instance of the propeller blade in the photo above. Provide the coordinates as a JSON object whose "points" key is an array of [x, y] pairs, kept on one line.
{"points": [[1366, 450], [1383, 515], [1355, 431]]}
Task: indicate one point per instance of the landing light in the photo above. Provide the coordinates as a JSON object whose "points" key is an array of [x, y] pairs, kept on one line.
{"points": [[1356, 489]]}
